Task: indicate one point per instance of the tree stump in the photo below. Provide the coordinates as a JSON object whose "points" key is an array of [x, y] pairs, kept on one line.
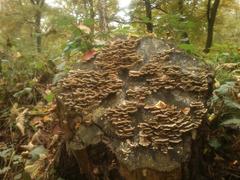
{"points": [[133, 111]]}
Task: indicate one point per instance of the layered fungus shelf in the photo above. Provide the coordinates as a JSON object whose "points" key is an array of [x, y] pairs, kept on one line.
{"points": [[142, 99]]}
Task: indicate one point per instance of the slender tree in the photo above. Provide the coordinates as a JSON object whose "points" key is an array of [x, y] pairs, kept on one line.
{"points": [[148, 9], [103, 22], [212, 8], [37, 22]]}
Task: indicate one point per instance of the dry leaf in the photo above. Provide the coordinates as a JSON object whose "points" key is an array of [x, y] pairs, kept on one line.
{"points": [[20, 121], [54, 140], [47, 118], [14, 111], [36, 120], [186, 110], [34, 169], [89, 55], [29, 146], [36, 138], [161, 105]]}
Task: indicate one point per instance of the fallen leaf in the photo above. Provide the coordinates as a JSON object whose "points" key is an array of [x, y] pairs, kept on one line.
{"points": [[20, 121], [35, 169], [39, 137], [161, 105], [54, 140], [36, 120], [29, 146], [14, 111], [186, 110], [89, 55], [47, 118]]}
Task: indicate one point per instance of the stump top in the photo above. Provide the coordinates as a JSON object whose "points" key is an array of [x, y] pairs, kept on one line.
{"points": [[141, 98]]}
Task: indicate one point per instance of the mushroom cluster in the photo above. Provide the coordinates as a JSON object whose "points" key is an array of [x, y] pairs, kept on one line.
{"points": [[83, 90], [134, 116], [119, 55], [161, 74], [165, 126], [199, 112], [138, 94], [121, 120]]}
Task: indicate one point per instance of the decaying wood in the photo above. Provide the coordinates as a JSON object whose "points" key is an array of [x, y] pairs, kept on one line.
{"points": [[133, 109]]}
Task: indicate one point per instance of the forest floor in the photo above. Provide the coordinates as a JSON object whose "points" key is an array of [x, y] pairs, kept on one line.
{"points": [[31, 136]]}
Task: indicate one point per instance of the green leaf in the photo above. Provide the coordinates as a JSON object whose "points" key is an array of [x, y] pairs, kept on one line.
{"points": [[6, 153], [224, 89], [23, 92], [231, 104], [36, 152], [214, 143], [235, 122], [88, 22], [49, 96]]}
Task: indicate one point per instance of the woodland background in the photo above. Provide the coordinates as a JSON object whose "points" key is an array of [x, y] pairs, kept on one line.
{"points": [[41, 40]]}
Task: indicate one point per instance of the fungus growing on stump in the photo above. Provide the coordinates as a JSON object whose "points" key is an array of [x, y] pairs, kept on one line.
{"points": [[141, 99]]}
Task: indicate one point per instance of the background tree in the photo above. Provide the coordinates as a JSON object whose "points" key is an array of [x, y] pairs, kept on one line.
{"points": [[212, 8]]}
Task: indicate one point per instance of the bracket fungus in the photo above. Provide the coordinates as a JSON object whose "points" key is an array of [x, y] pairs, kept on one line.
{"points": [[144, 97]]}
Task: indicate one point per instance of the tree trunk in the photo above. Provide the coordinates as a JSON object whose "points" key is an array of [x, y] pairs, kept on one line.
{"points": [[37, 19], [149, 16], [140, 123], [180, 6], [184, 35], [102, 9], [92, 16], [211, 16], [38, 31]]}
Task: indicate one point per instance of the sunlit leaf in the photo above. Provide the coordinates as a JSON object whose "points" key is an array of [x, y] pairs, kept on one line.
{"points": [[84, 28]]}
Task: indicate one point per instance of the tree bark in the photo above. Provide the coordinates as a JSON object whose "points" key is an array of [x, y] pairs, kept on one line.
{"points": [[148, 8], [180, 6], [37, 23], [100, 148], [102, 9], [211, 16], [92, 16], [38, 31]]}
